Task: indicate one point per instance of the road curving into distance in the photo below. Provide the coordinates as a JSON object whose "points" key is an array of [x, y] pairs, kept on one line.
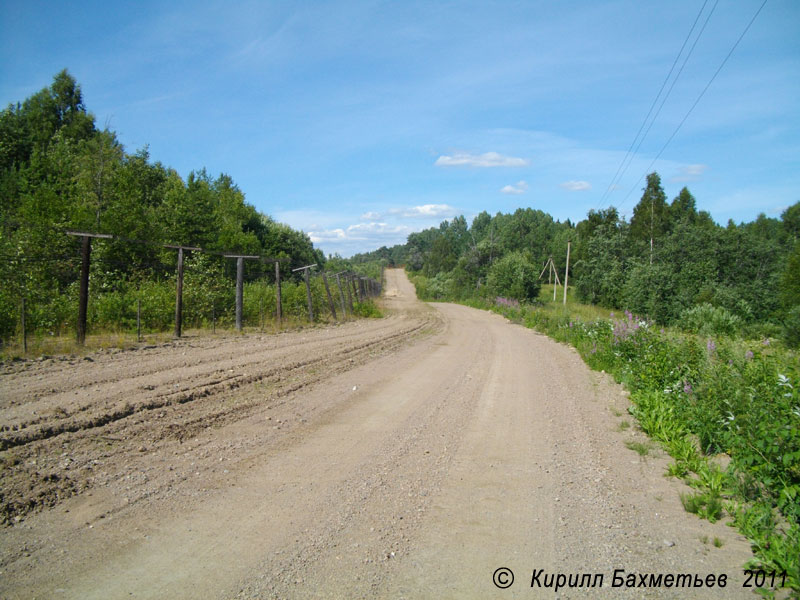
{"points": [[439, 452]]}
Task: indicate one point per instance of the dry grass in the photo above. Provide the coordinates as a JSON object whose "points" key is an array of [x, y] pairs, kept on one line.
{"points": [[60, 345]]}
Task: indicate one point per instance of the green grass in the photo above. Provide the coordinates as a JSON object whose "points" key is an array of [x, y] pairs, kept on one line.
{"points": [[641, 448]]}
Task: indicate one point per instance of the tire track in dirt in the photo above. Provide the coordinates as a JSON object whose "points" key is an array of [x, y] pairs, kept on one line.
{"points": [[50, 440], [201, 385]]}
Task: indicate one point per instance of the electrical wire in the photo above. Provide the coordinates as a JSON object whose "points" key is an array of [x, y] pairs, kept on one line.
{"points": [[696, 102], [630, 152]]}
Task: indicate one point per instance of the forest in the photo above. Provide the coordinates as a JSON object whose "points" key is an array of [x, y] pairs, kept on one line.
{"points": [[669, 263], [60, 172]]}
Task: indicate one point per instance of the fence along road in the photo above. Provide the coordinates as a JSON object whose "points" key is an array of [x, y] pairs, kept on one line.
{"points": [[414, 473]]}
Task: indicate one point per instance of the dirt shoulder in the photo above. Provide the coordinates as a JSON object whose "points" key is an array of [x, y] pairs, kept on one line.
{"points": [[410, 456]]}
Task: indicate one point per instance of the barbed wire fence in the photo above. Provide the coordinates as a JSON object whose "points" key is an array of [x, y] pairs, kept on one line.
{"points": [[192, 290]]}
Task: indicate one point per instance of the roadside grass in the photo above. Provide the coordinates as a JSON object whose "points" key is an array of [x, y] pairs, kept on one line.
{"points": [[700, 397], [641, 448]]}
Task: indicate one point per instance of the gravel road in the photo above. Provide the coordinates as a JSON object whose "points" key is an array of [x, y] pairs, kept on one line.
{"points": [[404, 457]]}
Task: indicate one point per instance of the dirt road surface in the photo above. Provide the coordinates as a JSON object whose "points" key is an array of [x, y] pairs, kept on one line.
{"points": [[404, 457]]}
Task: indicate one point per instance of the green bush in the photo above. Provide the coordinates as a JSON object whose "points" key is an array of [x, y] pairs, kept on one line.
{"points": [[367, 309], [514, 276], [706, 319]]}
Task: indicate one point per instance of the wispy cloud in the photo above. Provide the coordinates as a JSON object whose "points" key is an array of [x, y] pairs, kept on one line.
{"points": [[370, 216], [518, 188], [576, 186], [486, 160], [425, 211], [689, 173]]}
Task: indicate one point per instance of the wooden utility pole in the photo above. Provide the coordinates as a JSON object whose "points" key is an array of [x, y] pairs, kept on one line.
{"points": [[308, 289], [545, 268], [550, 267], [566, 275], [240, 284], [83, 288]]}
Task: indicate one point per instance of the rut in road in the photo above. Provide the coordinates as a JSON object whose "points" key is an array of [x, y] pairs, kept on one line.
{"points": [[413, 475]]}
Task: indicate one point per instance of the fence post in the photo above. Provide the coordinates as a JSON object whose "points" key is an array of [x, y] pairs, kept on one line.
{"points": [[308, 296], [239, 291], [138, 319], [330, 298], [341, 295], [24, 331], [305, 270], [179, 296], [83, 293], [278, 291], [566, 274], [239, 284], [348, 285]]}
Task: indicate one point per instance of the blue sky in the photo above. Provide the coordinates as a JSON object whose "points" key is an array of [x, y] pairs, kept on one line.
{"points": [[359, 122]]}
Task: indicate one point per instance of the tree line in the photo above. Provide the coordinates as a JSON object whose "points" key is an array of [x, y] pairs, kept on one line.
{"points": [[668, 260], [60, 172]]}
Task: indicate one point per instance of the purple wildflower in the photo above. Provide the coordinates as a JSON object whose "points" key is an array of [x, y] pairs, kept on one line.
{"points": [[748, 355], [687, 387], [509, 302], [711, 346]]}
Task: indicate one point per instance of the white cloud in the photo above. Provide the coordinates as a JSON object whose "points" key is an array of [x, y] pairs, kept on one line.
{"points": [[689, 173], [370, 216], [519, 188], [576, 186], [329, 235], [364, 230], [488, 159], [425, 211]]}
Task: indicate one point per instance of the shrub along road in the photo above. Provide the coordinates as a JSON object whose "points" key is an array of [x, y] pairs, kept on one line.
{"points": [[407, 457]]}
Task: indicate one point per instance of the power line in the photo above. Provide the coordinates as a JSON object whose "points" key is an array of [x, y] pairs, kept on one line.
{"points": [[696, 102], [672, 85], [630, 154]]}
